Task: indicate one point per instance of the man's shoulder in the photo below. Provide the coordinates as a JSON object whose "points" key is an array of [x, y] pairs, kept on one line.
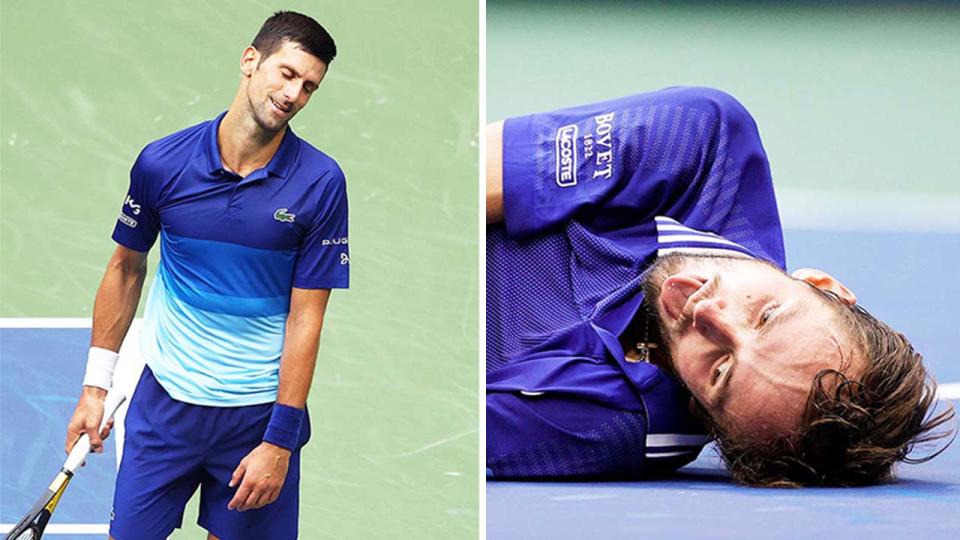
{"points": [[171, 150], [319, 166]]}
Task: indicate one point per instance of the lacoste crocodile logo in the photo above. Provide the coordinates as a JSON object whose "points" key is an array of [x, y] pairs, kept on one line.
{"points": [[282, 216]]}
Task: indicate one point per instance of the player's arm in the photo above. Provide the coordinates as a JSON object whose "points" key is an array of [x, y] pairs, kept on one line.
{"points": [[113, 311], [300, 344], [117, 298], [495, 172], [261, 473], [619, 163]]}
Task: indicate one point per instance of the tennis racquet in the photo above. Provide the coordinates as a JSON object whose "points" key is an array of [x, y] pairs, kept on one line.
{"points": [[32, 525]]}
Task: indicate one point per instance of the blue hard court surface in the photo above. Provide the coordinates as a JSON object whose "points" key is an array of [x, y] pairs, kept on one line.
{"points": [[38, 391]]}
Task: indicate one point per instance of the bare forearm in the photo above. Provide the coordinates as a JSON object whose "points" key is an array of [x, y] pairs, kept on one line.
{"points": [[300, 345], [297, 366], [494, 172], [113, 310], [116, 301], [261, 473]]}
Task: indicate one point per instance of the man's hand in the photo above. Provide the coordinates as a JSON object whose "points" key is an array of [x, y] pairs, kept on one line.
{"points": [[260, 476], [86, 419]]}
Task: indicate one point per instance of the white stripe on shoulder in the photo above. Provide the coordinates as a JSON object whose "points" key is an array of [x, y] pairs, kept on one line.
{"points": [[660, 440], [702, 251], [679, 243], [681, 228], [679, 238], [672, 453], [665, 219]]}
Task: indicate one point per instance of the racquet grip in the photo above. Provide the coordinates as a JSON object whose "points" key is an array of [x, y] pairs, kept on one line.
{"points": [[80, 450]]}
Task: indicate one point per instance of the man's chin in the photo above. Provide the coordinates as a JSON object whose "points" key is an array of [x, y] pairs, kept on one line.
{"points": [[272, 125]]}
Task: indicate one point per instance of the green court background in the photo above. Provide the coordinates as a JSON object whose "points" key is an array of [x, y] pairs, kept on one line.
{"points": [[848, 96], [85, 85]]}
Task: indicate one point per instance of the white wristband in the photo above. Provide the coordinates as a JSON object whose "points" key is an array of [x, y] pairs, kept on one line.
{"points": [[100, 364]]}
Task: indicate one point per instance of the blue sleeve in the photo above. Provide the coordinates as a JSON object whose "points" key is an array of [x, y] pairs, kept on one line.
{"points": [[554, 436], [554, 413], [688, 153], [323, 260], [139, 221], [557, 435]]}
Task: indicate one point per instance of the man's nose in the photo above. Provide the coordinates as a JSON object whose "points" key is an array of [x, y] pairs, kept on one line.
{"points": [[712, 319], [291, 91]]}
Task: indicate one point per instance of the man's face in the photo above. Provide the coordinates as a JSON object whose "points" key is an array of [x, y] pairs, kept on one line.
{"points": [[747, 339], [281, 84]]}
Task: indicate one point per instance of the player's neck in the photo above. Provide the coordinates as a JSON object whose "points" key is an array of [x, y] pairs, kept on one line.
{"points": [[244, 145]]}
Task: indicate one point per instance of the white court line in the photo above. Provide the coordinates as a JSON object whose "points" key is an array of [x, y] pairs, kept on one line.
{"points": [[893, 211], [65, 528], [948, 391], [41, 322]]}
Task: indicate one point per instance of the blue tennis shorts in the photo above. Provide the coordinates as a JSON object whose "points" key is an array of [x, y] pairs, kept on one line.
{"points": [[171, 447]]}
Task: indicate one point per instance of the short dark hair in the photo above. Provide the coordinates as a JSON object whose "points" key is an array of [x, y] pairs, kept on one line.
{"points": [[854, 430], [298, 28]]}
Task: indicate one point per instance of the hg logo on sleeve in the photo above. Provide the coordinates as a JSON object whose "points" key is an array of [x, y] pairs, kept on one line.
{"points": [[134, 207]]}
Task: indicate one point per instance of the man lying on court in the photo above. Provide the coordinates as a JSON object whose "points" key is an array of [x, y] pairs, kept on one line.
{"points": [[637, 305]]}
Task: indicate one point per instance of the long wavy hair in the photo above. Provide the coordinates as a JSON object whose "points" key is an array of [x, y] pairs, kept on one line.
{"points": [[853, 432]]}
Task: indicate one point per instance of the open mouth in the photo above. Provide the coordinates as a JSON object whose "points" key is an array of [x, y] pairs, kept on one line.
{"points": [[283, 110]]}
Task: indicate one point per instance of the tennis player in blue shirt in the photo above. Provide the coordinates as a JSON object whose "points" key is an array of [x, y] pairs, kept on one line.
{"points": [[637, 306], [252, 223]]}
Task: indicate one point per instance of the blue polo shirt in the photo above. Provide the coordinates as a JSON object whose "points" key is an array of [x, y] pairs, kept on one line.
{"points": [[231, 249], [592, 196]]}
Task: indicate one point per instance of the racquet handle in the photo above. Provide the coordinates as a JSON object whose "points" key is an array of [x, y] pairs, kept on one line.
{"points": [[80, 450]]}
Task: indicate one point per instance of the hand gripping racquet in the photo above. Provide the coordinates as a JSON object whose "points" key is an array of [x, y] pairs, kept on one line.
{"points": [[32, 525]]}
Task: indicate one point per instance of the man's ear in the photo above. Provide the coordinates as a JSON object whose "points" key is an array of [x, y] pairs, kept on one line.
{"points": [[249, 60], [826, 282]]}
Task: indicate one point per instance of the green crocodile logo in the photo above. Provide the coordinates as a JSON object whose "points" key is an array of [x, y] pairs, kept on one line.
{"points": [[282, 216]]}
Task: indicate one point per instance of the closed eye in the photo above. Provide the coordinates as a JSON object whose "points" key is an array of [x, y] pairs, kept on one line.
{"points": [[723, 372], [766, 315], [719, 370]]}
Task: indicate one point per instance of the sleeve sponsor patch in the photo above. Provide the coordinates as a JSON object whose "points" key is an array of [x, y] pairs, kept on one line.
{"points": [[128, 221]]}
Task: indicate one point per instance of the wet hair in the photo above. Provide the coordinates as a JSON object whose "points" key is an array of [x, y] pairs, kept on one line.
{"points": [[854, 430], [298, 28]]}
